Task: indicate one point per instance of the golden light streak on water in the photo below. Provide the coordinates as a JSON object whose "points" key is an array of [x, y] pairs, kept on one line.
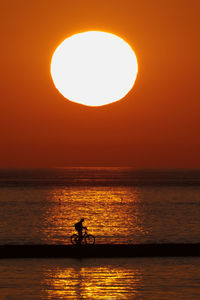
{"points": [[110, 215], [93, 282]]}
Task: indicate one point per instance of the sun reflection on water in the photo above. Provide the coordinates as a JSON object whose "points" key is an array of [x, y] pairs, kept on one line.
{"points": [[92, 282], [110, 214]]}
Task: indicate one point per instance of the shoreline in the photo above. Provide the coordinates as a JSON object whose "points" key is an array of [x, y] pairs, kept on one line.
{"points": [[99, 250]]}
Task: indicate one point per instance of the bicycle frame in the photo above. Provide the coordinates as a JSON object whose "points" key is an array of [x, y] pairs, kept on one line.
{"points": [[86, 238], [84, 235]]}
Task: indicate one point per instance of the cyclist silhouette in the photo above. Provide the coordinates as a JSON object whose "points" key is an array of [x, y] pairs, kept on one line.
{"points": [[79, 228]]}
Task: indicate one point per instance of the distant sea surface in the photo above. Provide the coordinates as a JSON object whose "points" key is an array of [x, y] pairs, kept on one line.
{"points": [[120, 206]]}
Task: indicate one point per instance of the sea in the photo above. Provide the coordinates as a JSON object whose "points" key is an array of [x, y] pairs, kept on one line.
{"points": [[120, 206]]}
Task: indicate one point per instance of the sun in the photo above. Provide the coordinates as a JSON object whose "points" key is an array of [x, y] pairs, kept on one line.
{"points": [[94, 68]]}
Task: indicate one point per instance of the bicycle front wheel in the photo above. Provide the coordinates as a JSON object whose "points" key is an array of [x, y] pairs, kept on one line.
{"points": [[90, 239], [74, 239]]}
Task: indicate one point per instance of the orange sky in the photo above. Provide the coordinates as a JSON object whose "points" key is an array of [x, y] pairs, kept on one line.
{"points": [[156, 125]]}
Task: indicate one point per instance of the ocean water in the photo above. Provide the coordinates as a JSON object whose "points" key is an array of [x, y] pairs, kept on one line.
{"points": [[120, 205], [141, 278]]}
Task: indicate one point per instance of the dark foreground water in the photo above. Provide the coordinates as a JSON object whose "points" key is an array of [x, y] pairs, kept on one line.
{"points": [[142, 278], [120, 205]]}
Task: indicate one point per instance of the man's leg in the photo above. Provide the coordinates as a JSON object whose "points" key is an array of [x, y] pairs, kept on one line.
{"points": [[80, 235]]}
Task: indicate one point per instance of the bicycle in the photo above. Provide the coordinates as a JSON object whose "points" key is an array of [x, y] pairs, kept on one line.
{"points": [[88, 239]]}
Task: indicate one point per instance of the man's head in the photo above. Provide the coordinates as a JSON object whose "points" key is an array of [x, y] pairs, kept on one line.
{"points": [[82, 220]]}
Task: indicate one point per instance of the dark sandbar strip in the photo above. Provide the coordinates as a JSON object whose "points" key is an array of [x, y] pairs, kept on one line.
{"points": [[102, 250]]}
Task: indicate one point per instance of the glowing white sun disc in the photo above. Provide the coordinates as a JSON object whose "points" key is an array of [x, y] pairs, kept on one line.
{"points": [[94, 68]]}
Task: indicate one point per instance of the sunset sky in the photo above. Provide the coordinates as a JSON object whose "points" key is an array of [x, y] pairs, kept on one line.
{"points": [[156, 125]]}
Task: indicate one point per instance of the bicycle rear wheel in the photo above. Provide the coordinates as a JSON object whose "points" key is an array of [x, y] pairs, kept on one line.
{"points": [[74, 239], [90, 239]]}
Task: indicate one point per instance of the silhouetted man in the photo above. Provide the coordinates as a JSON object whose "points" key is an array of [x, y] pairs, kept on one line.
{"points": [[79, 227]]}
